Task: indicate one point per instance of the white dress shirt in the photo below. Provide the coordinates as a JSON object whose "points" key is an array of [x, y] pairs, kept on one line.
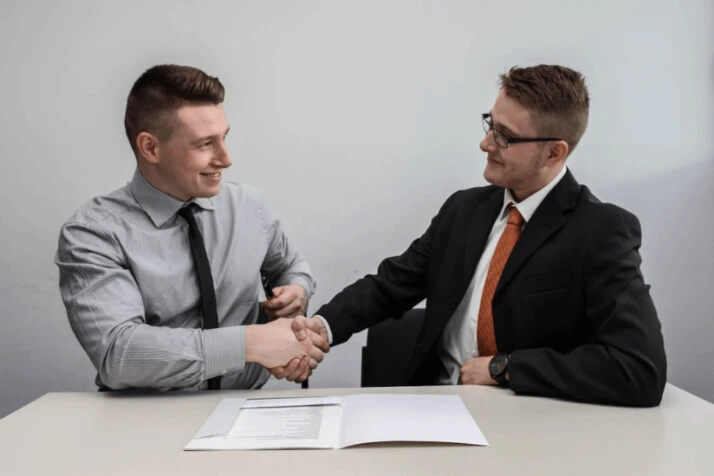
{"points": [[458, 342]]}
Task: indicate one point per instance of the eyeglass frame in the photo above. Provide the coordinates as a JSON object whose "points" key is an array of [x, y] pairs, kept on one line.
{"points": [[487, 124]]}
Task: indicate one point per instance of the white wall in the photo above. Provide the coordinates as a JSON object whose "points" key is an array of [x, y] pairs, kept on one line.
{"points": [[356, 119]]}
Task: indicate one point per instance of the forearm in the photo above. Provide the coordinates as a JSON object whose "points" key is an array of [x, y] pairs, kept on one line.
{"points": [[593, 373], [358, 307], [400, 283], [139, 355]]}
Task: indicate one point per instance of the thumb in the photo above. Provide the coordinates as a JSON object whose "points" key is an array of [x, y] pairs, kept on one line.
{"points": [[299, 327], [278, 291]]}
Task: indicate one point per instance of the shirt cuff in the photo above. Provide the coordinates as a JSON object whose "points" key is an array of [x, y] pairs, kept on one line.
{"points": [[327, 326], [224, 351]]}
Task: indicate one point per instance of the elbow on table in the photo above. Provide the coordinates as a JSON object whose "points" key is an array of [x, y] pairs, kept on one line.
{"points": [[647, 388]]}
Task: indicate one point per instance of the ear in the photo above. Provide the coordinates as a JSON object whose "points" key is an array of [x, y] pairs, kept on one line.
{"points": [[558, 152], [147, 145]]}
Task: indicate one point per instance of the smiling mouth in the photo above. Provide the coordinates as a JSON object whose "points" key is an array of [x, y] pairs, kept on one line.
{"points": [[213, 175]]}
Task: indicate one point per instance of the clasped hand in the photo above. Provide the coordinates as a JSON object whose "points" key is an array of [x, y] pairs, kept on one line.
{"points": [[289, 348], [304, 329]]}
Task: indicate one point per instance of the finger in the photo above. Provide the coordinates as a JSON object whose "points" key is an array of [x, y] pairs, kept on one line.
{"points": [[291, 368], [291, 309], [299, 327], [281, 297], [467, 378], [313, 363], [277, 372], [298, 370], [315, 352], [265, 305], [271, 304], [316, 325], [320, 338], [305, 375], [278, 302], [278, 294], [319, 341]]}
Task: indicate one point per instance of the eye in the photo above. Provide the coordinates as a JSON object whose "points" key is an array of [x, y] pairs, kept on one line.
{"points": [[205, 145]]}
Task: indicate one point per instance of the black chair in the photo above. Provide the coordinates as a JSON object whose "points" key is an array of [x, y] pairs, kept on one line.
{"points": [[389, 346]]}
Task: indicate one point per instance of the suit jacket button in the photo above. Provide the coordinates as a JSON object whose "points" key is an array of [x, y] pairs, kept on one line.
{"points": [[419, 349]]}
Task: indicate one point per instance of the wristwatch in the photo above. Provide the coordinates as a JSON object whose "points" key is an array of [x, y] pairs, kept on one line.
{"points": [[497, 367]]}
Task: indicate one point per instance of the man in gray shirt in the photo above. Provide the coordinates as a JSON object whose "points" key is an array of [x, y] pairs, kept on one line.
{"points": [[127, 276]]}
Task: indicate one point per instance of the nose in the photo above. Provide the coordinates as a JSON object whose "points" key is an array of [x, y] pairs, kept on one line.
{"points": [[488, 144], [224, 158]]}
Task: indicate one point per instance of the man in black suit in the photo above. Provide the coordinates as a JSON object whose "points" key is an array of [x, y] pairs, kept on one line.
{"points": [[531, 282]]}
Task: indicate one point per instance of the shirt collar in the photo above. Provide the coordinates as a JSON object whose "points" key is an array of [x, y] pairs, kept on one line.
{"points": [[158, 205], [528, 206]]}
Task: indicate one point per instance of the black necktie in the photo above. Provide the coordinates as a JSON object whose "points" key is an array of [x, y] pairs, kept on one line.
{"points": [[205, 280]]}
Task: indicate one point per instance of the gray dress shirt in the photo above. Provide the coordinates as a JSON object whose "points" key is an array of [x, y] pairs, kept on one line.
{"points": [[128, 282]]}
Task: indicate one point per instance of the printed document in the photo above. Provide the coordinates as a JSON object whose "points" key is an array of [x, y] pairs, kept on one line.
{"points": [[336, 422]]}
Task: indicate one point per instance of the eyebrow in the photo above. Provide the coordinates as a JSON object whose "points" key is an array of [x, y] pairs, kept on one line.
{"points": [[214, 136], [500, 126]]}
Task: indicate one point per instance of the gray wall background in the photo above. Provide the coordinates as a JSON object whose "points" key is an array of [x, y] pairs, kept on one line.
{"points": [[356, 119]]}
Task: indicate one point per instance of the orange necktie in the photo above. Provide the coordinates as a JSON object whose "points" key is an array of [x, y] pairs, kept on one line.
{"points": [[485, 335]]}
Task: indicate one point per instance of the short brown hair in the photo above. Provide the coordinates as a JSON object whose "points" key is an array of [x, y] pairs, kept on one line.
{"points": [[164, 88], [556, 96]]}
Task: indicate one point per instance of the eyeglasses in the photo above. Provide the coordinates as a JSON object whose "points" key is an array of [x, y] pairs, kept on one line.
{"points": [[502, 140]]}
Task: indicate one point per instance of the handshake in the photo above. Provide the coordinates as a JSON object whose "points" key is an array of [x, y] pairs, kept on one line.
{"points": [[290, 348]]}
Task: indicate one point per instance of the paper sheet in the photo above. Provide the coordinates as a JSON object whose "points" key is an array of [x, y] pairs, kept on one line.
{"points": [[337, 422]]}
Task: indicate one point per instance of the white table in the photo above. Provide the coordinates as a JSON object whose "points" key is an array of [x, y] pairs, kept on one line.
{"points": [[119, 434]]}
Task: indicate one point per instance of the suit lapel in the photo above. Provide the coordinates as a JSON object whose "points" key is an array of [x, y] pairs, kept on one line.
{"points": [[481, 224], [548, 218]]}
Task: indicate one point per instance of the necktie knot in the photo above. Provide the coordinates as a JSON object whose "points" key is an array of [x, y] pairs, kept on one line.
{"points": [[515, 217], [187, 212]]}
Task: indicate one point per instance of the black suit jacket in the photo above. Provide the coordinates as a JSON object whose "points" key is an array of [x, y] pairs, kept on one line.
{"points": [[571, 305]]}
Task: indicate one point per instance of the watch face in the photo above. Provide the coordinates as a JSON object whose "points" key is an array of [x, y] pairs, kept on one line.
{"points": [[498, 364]]}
